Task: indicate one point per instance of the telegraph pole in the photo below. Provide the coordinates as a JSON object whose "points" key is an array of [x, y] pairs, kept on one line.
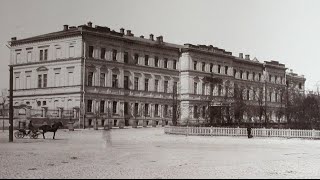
{"points": [[11, 105]]}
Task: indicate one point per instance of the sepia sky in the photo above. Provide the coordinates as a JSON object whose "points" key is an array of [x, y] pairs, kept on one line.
{"points": [[287, 31]]}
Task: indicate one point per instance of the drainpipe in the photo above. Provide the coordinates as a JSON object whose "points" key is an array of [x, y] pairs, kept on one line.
{"points": [[83, 54]]}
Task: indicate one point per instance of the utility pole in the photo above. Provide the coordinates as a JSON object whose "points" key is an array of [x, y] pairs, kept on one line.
{"points": [[11, 106]]}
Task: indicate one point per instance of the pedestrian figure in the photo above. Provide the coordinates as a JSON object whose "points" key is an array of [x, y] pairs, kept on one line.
{"points": [[249, 131], [30, 127]]}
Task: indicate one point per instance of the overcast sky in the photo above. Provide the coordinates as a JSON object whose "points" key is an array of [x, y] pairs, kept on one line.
{"points": [[287, 31]]}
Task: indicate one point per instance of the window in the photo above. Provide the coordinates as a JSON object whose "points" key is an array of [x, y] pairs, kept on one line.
{"points": [[276, 97], [114, 107], [29, 56], [42, 80], [102, 106], [44, 103], [211, 67], [115, 81], [248, 94], [90, 51], [146, 60], [136, 109], [259, 76], [275, 79], [203, 88], [270, 94], [165, 63], [28, 81], [247, 75], [195, 112], [57, 79], [166, 86], [219, 90], [195, 65], [43, 54], [114, 55], [226, 70], [253, 76], [203, 66], [103, 53], [136, 83], [241, 73], [58, 53], [126, 82], [156, 110], [195, 87], [136, 58], [165, 110], [103, 79], [156, 85], [203, 111], [126, 57], [156, 61], [39, 103], [17, 82], [146, 109], [270, 78], [219, 69], [175, 87], [71, 51], [300, 85], [90, 79], [126, 108], [174, 64], [146, 84], [234, 73], [89, 106]]}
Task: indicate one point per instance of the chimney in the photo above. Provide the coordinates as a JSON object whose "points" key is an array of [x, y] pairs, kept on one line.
{"points": [[122, 31], [128, 32], [161, 38], [158, 39], [65, 27], [90, 24], [247, 56], [141, 36], [241, 55], [13, 38], [151, 37]]}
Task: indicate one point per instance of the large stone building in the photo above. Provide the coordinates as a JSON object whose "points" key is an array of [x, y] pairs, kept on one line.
{"points": [[95, 74]]}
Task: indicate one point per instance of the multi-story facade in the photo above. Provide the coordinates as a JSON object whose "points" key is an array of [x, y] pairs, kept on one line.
{"points": [[95, 73]]}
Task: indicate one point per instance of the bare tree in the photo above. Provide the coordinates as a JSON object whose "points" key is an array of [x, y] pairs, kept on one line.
{"points": [[3, 101]]}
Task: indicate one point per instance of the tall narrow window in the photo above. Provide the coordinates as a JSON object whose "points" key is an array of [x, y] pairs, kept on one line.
{"points": [[211, 67], [247, 75], [275, 79], [136, 109], [156, 85], [126, 108], [259, 76], [28, 81], [90, 79], [146, 84], [270, 78], [195, 112], [203, 111], [102, 106], [114, 55], [103, 53], [166, 86], [146, 109], [203, 88], [165, 63], [57, 79], [115, 81], [41, 55], [203, 66], [174, 64], [156, 61], [39, 81], [103, 79], [156, 110], [219, 69], [146, 60], [136, 58], [89, 106], [90, 51], [126, 82], [253, 76], [248, 94], [219, 90], [195, 65], [71, 51], [136, 83], [226, 70], [126, 57], [29, 57], [241, 74], [234, 73], [45, 57], [114, 107], [195, 88], [165, 110], [17, 82]]}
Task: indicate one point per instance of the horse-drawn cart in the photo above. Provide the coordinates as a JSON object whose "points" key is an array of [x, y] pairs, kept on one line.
{"points": [[21, 133]]}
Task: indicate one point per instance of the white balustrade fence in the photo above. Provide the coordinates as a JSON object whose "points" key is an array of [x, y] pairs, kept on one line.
{"points": [[256, 132]]}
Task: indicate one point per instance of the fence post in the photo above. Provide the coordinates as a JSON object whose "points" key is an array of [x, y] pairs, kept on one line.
{"points": [[263, 133]]}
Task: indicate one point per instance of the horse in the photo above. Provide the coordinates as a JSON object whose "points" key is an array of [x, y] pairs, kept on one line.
{"points": [[48, 128]]}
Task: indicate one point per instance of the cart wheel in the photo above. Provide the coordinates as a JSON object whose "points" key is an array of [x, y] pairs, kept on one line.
{"points": [[35, 136], [18, 134]]}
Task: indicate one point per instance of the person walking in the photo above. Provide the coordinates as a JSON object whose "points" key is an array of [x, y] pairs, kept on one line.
{"points": [[249, 131]]}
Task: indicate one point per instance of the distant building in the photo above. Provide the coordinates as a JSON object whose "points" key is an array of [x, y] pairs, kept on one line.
{"points": [[96, 73]]}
